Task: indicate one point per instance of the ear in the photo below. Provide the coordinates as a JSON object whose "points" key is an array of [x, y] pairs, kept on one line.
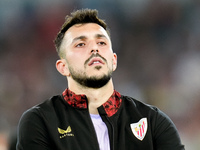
{"points": [[114, 61], [62, 67]]}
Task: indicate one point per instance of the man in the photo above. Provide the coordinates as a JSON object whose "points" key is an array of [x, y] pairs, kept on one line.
{"points": [[90, 114]]}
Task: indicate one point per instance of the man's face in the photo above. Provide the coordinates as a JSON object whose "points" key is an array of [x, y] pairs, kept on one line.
{"points": [[88, 53]]}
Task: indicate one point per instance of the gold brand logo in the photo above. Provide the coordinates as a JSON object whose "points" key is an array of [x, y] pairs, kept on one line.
{"points": [[64, 133]]}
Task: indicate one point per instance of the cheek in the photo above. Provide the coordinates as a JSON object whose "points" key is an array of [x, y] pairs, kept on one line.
{"points": [[75, 61], [110, 64]]}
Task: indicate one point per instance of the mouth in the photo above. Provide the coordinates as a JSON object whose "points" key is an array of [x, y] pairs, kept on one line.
{"points": [[96, 61]]}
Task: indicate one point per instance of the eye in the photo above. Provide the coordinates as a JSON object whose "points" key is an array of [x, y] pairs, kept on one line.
{"points": [[102, 43], [80, 45]]}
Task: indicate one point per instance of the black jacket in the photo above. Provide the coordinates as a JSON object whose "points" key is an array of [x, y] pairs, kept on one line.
{"points": [[58, 125]]}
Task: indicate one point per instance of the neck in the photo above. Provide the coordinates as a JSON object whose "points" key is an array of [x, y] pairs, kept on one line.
{"points": [[96, 96]]}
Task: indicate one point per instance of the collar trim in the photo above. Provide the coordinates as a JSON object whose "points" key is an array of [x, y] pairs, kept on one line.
{"points": [[77, 101], [111, 106]]}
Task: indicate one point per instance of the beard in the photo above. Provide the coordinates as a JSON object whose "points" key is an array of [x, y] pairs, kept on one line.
{"points": [[91, 81]]}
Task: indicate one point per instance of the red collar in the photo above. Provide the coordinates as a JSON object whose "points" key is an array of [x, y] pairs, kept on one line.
{"points": [[111, 106]]}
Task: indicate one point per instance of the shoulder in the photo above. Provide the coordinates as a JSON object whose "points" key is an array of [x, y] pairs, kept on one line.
{"points": [[36, 123], [162, 128], [139, 106], [155, 116], [38, 118], [43, 110]]}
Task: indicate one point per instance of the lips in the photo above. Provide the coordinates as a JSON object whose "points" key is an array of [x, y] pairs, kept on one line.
{"points": [[95, 61]]}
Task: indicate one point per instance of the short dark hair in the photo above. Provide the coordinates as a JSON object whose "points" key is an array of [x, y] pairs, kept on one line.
{"points": [[81, 16]]}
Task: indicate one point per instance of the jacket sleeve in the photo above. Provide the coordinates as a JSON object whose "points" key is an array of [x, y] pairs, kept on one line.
{"points": [[31, 132], [166, 136]]}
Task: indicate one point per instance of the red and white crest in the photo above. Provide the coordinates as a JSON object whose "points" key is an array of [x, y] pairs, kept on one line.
{"points": [[139, 129]]}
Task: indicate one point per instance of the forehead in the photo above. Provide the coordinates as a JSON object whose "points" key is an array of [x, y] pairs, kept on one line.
{"points": [[87, 29]]}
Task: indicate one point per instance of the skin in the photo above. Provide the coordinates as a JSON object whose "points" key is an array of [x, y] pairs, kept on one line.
{"points": [[80, 43]]}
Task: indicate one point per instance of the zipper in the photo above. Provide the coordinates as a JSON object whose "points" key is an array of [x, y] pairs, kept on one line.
{"points": [[112, 145]]}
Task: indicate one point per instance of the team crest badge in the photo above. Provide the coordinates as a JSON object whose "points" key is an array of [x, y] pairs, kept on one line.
{"points": [[139, 129]]}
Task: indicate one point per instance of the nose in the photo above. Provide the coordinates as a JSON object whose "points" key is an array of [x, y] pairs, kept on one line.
{"points": [[93, 46], [94, 51]]}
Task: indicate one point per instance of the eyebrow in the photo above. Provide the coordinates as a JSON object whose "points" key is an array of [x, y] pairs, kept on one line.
{"points": [[100, 36], [79, 38], [82, 37]]}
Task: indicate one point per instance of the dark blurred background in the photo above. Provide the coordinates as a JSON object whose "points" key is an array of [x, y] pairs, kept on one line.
{"points": [[158, 47]]}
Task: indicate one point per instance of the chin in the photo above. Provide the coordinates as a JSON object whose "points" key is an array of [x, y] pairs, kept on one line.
{"points": [[98, 76], [97, 81]]}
